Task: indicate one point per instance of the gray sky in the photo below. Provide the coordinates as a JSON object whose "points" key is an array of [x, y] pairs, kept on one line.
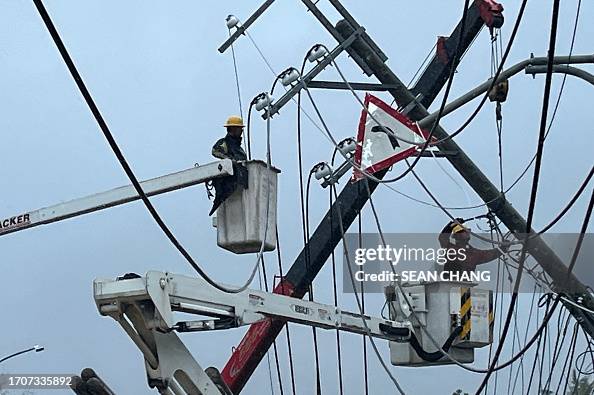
{"points": [[165, 91]]}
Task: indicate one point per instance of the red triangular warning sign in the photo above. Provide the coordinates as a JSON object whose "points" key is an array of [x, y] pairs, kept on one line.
{"points": [[377, 149]]}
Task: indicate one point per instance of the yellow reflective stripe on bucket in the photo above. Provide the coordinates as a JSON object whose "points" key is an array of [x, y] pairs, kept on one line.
{"points": [[465, 309]]}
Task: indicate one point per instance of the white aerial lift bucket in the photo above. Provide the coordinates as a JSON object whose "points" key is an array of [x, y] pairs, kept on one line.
{"points": [[241, 219], [442, 306]]}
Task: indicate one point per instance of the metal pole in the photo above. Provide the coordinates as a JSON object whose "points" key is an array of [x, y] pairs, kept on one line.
{"points": [[562, 69], [504, 75]]}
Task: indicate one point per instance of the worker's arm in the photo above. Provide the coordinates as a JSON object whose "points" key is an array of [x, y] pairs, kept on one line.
{"points": [[220, 149]]}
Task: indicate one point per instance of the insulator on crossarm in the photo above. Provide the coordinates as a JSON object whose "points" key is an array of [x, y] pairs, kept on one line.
{"points": [[289, 76], [262, 101], [347, 146], [322, 171], [317, 52], [231, 21]]}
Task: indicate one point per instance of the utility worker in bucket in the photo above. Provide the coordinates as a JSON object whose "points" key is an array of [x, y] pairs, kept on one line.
{"points": [[229, 147], [455, 236]]}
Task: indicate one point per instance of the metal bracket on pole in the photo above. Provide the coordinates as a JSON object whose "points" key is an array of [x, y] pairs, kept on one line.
{"points": [[337, 174], [413, 104], [242, 28], [358, 86], [346, 166], [304, 81]]}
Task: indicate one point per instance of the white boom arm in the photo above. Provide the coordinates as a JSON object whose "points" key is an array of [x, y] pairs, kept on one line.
{"points": [[115, 197], [145, 307]]}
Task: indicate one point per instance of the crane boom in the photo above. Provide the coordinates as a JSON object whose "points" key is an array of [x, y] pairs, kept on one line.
{"points": [[115, 197], [146, 308]]}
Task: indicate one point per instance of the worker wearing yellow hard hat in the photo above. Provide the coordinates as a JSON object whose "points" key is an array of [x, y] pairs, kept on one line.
{"points": [[455, 237], [234, 120], [229, 147]]}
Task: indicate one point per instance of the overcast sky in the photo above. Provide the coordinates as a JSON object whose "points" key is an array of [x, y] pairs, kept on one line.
{"points": [[155, 73]]}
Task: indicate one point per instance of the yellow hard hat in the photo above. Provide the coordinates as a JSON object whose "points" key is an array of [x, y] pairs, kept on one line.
{"points": [[234, 120], [458, 228]]}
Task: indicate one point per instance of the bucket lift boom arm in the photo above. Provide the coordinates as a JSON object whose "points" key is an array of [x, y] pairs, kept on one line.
{"points": [[115, 197], [145, 307]]}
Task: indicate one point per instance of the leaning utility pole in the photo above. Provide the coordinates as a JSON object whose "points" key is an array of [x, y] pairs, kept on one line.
{"points": [[495, 200], [353, 197]]}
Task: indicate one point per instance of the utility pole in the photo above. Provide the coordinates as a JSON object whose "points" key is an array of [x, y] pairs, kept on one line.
{"points": [[495, 200], [351, 200]]}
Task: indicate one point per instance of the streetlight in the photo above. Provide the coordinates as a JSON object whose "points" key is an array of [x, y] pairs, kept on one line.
{"points": [[36, 348]]}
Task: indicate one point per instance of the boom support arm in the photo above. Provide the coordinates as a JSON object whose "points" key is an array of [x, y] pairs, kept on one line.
{"points": [[145, 308], [116, 197]]}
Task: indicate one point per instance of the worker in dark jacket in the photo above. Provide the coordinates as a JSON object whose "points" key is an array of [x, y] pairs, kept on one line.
{"points": [[229, 147], [455, 236]]}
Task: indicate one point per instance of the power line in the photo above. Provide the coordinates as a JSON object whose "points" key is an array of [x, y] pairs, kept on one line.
{"points": [[441, 107], [120, 156], [365, 367], [274, 343], [559, 343], [352, 278], [375, 214], [569, 359], [236, 79], [275, 348], [304, 200], [335, 295], [575, 25], [543, 124], [582, 232], [281, 276]]}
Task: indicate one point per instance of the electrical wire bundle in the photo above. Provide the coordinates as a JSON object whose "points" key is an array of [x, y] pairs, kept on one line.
{"points": [[560, 352]]}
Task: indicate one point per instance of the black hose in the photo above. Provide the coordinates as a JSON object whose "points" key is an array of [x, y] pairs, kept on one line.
{"points": [[436, 355]]}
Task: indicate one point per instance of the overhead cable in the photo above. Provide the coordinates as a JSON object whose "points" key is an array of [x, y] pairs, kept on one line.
{"points": [[535, 179], [122, 160]]}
